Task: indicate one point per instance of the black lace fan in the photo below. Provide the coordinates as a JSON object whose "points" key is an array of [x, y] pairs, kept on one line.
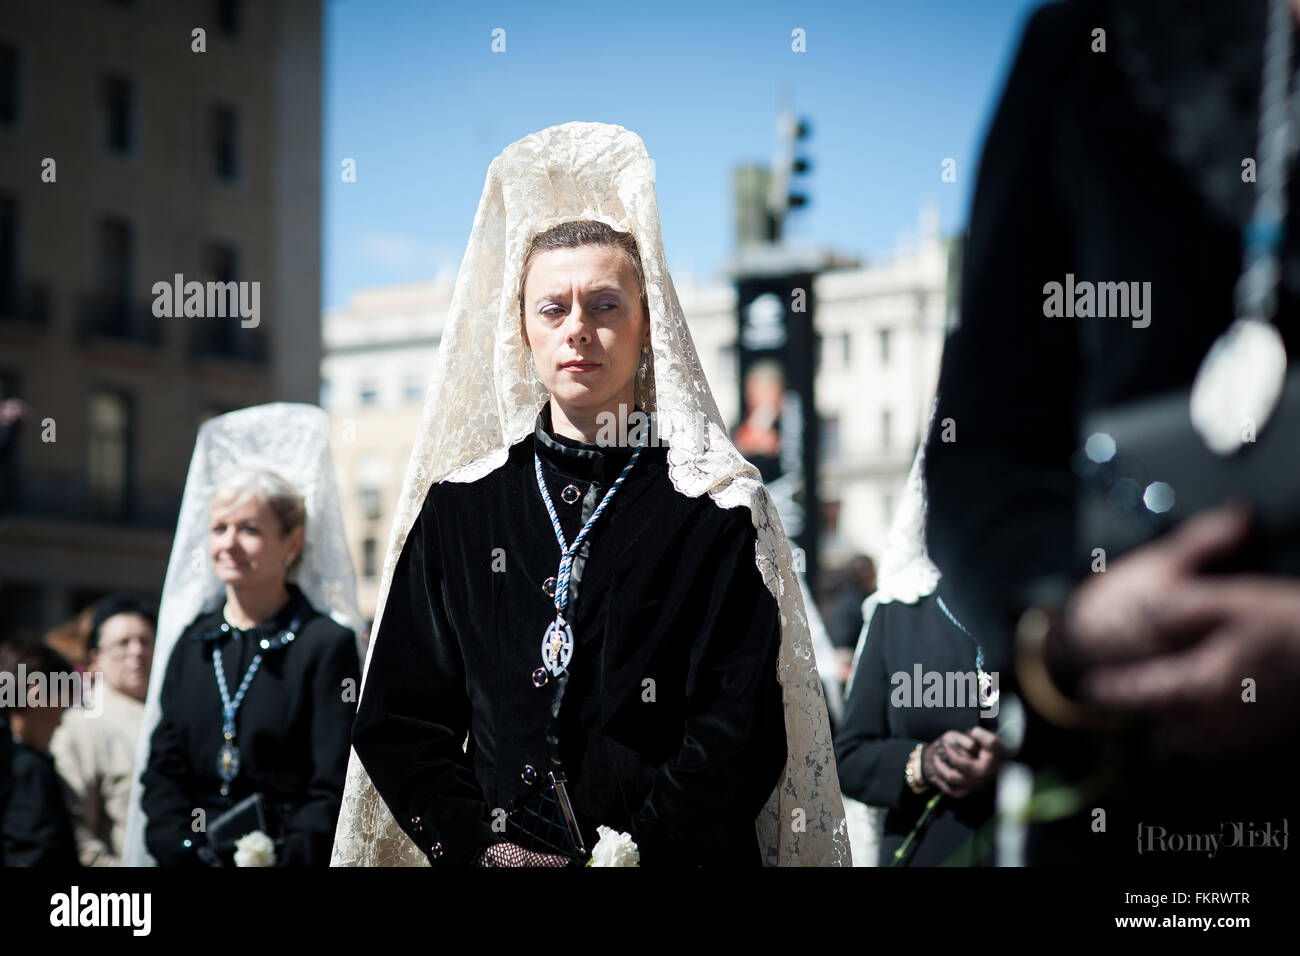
{"points": [[543, 821]]}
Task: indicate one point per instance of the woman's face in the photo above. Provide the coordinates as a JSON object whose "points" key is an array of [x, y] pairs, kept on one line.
{"points": [[585, 326], [246, 546]]}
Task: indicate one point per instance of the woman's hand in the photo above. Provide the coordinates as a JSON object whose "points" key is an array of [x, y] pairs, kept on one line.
{"points": [[512, 854], [959, 764]]}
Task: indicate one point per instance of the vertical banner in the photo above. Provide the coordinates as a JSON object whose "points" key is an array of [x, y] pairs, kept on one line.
{"points": [[778, 430]]}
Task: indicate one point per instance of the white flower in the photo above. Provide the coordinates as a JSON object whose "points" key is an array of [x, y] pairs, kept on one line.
{"points": [[254, 849], [614, 849]]}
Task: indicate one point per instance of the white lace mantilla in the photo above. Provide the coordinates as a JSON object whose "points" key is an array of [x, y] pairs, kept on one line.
{"points": [[485, 396]]}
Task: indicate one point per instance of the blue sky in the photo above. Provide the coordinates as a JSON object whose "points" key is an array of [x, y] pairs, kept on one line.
{"points": [[414, 93]]}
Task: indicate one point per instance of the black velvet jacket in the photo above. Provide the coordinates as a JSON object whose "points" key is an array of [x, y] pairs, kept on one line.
{"points": [[672, 725], [1058, 193], [292, 732], [876, 737], [1121, 166]]}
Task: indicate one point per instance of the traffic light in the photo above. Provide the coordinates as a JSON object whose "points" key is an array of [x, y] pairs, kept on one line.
{"points": [[791, 130]]}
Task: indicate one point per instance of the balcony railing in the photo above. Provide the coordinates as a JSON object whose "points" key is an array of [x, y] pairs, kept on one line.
{"points": [[110, 316], [226, 339], [74, 498], [25, 302]]}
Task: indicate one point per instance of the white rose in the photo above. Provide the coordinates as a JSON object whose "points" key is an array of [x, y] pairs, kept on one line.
{"points": [[254, 849], [614, 849]]}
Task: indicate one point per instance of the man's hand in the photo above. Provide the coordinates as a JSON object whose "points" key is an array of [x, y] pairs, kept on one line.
{"points": [[1121, 615], [1201, 696]]}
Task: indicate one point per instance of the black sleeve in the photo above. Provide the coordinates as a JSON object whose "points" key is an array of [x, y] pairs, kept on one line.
{"points": [[1000, 492], [733, 748], [414, 713], [310, 834], [870, 761], [37, 830], [167, 800], [6, 760]]}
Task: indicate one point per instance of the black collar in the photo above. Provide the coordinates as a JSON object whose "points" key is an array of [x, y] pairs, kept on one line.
{"points": [[276, 633], [579, 459]]}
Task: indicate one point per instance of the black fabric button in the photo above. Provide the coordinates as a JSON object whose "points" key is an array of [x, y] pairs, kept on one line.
{"points": [[540, 677], [529, 774], [548, 586], [435, 851], [570, 494]]}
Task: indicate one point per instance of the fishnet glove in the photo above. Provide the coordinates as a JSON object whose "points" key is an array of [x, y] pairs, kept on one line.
{"points": [[511, 854]]}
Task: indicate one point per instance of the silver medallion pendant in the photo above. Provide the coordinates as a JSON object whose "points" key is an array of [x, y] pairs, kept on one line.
{"points": [[1238, 385], [557, 646], [228, 762], [988, 694]]}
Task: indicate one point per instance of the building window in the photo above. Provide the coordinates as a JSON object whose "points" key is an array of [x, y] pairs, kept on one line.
{"points": [[221, 263], [370, 503], [113, 308], [885, 423], [369, 551], [830, 438], [372, 475], [830, 518], [220, 332], [326, 393], [225, 143], [9, 467], [846, 349], [228, 16], [110, 438], [9, 91], [884, 346], [116, 276], [369, 393], [8, 256], [119, 114], [414, 391]]}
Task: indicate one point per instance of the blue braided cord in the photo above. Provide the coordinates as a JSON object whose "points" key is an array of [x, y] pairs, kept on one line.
{"points": [[567, 551], [979, 651]]}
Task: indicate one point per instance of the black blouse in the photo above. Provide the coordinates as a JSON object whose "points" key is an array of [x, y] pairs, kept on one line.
{"points": [[876, 737], [672, 726], [292, 732]]}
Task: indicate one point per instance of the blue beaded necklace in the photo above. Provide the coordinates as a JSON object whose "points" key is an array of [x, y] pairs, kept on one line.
{"points": [[557, 642], [229, 759]]}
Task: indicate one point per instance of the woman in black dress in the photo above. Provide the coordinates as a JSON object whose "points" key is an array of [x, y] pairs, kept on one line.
{"points": [[921, 717], [256, 699], [580, 595]]}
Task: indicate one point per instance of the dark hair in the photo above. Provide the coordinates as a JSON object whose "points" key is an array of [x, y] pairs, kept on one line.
{"points": [[116, 604], [34, 657], [572, 235]]}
